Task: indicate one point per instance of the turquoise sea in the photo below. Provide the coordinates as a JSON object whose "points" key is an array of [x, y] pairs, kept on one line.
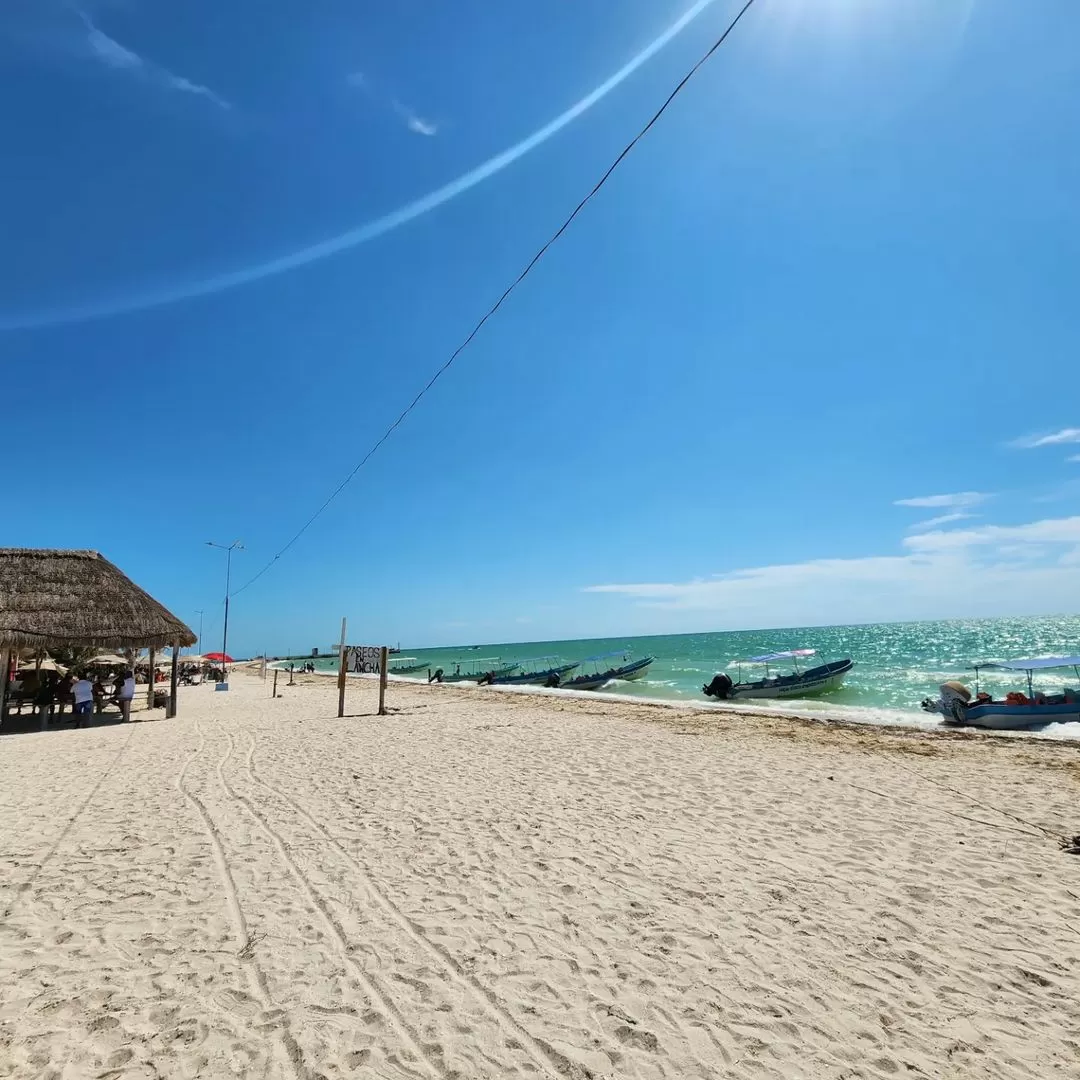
{"points": [[896, 664]]}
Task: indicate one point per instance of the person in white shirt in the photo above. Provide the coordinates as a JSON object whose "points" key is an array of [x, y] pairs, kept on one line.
{"points": [[125, 692], [82, 691]]}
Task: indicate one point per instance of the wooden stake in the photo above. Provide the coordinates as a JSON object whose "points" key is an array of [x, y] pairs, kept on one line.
{"points": [[170, 712], [383, 665], [5, 666], [341, 672], [153, 672], [275, 682]]}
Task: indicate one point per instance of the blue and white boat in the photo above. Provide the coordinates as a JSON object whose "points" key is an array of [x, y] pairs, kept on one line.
{"points": [[960, 707], [628, 670], [799, 684]]}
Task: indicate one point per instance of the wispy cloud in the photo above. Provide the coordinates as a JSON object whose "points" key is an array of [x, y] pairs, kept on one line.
{"points": [[990, 570], [956, 501], [1049, 531], [112, 54], [412, 120], [942, 519], [1055, 438], [1074, 458]]}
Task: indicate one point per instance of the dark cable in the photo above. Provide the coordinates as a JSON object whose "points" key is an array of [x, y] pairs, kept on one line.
{"points": [[499, 303]]}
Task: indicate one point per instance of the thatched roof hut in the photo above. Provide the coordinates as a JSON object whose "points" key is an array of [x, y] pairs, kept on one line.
{"points": [[59, 599]]}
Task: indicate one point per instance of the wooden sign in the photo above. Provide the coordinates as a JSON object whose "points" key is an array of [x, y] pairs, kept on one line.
{"points": [[363, 659]]}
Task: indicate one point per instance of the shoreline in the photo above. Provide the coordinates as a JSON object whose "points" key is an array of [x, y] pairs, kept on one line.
{"points": [[908, 722]]}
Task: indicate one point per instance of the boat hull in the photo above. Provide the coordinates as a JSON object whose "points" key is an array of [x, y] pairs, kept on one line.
{"points": [[1014, 717], [809, 683], [626, 673], [533, 678]]}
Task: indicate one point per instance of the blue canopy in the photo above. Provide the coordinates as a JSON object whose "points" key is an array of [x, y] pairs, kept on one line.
{"points": [[605, 655], [1033, 665], [790, 654]]}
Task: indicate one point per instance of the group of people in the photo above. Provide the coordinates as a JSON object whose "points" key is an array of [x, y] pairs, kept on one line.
{"points": [[84, 694]]}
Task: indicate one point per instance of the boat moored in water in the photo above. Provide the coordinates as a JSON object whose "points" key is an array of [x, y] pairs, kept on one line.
{"points": [[543, 671], [961, 708], [628, 670], [799, 684], [475, 670], [406, 665]]}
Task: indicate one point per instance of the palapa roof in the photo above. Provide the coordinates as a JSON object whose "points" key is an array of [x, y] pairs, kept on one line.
{"points": [[61, 599]]}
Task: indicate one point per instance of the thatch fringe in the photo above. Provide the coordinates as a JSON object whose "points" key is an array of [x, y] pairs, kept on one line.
{"points": [[57, 599]]}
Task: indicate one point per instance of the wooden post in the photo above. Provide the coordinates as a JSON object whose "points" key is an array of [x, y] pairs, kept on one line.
{"points": [[341, 672], [275, 682], [153, 672], [383, 665], [170, 712], [5, 671]]}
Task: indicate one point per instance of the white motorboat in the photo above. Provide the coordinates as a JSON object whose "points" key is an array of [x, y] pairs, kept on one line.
{"points": [[799, 684]]}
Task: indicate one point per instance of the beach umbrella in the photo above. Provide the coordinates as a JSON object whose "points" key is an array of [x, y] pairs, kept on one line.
{"points": [[219, 658], [46, 664], [108, 660]]}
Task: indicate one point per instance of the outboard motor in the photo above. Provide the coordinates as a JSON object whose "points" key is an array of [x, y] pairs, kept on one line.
{"points": [[437, 677], [553, 680], [953, 703], [720, 688]]}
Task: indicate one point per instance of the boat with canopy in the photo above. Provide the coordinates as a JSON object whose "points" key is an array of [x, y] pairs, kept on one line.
{"points": [[405, 665], [474, 670], [960, 707], [628, 670], [540, 671], [798, 684]]}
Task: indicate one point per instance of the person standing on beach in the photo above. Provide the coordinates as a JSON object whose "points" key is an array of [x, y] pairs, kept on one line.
{"points": [[82, 691], [125, 693]]}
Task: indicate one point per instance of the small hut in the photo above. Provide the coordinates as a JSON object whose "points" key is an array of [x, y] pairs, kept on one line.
{"points": [[53, 599]]}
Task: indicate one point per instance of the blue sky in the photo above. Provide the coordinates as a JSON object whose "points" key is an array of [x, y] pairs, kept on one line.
{"points": [[829, 299]]}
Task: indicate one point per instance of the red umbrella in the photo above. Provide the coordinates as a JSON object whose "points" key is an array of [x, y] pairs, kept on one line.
{"points": [[219, 657]]}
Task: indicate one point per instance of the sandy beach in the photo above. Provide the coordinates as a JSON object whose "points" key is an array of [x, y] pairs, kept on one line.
{"points": [[485, 885]]}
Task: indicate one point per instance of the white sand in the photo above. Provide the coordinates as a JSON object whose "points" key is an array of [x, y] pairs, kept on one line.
{"points": [[482, 885]]}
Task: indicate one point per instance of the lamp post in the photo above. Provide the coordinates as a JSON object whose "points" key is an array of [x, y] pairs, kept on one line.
{"points": [[228, 549], [200, 613]]}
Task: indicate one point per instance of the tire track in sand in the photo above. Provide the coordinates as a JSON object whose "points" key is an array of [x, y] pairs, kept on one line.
{"points": [[404, 1029], [254, 974], [544, 1055]]}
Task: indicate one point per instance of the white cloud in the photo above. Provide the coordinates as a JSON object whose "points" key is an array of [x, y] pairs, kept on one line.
{"points": [[120, 58], [1056, 438], [414, 123], [1075, 458], [1050, 531], [412, 120], [421, 126], [991, 570], [956, 501], [942, 519], [110, 52]]}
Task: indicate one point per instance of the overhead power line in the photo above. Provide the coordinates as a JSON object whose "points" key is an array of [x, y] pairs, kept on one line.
{"points": [[506, 293]]}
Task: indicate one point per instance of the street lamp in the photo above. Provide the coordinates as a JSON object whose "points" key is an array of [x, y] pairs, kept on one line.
{"points": [[228, 549], [200, 613]]}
